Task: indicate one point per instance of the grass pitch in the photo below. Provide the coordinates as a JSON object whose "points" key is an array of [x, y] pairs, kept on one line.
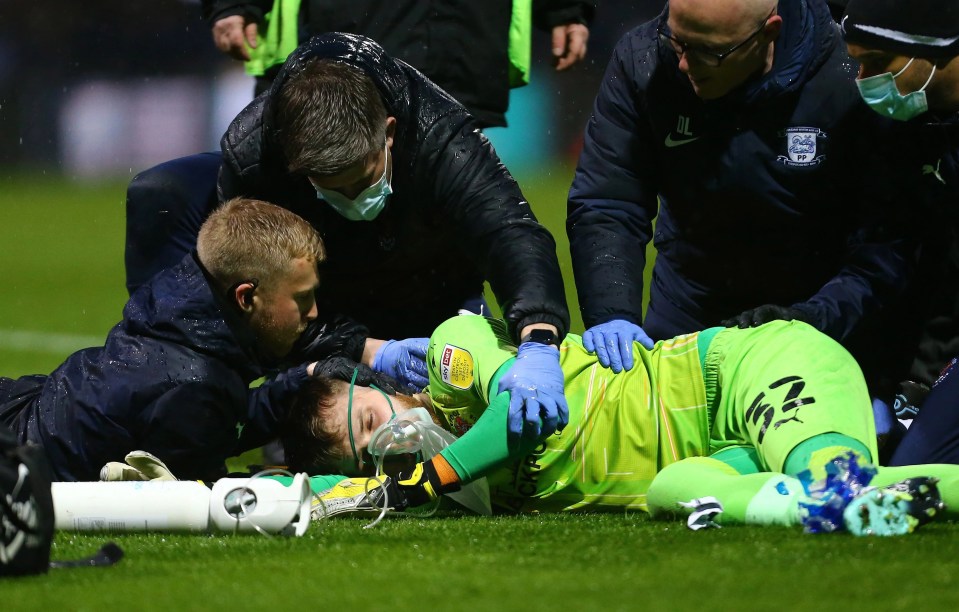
{"points": [[529, 563], [62, 266]]}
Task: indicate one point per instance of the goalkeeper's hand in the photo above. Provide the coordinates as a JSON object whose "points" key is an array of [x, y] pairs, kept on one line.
{"points": [[419, 486], [422, 484], [140, 465]]}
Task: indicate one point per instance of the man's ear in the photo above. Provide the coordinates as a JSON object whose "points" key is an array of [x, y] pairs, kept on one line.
{"points": [[243, 295], [390, 130], [773, 26]]}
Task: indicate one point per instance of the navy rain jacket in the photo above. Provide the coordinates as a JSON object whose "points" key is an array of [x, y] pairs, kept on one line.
{"points": [[937, 286], [455, 219], [761, 194], [172, 379]]}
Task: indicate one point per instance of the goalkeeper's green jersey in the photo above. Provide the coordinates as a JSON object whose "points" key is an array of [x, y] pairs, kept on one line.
{"points": [[622, 430]]}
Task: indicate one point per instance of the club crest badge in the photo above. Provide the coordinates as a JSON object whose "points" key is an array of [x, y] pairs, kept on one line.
{"points": [[802, 146]]}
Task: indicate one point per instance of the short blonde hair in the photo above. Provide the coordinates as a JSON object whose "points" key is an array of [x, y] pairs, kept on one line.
{"points": [[245, 239]]}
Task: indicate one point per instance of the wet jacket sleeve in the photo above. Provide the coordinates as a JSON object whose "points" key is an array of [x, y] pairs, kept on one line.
{"points": [[612, 201], [267, 407], [193, 428], [515, 253], [548, 14], [876, 271]]}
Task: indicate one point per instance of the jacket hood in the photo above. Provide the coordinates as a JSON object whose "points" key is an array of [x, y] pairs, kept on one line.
{"points": [[179, 307], [355, 50], [805, 42]]}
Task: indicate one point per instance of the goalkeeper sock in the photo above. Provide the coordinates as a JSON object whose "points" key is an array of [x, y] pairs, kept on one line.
{"points": [[748, 499], [814, 453]]}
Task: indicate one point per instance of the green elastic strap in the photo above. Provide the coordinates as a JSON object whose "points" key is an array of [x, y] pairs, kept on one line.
{"points": [[349, 417], [282, 37], [520, 37], [386, 396], [349, 412]]}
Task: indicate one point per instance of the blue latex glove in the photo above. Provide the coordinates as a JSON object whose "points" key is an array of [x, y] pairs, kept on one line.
{"points": [[612, 342], [404, 360], [537, 403]]}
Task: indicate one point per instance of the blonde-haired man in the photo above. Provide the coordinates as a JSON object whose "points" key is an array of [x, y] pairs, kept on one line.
{"points": [[173, 377]]}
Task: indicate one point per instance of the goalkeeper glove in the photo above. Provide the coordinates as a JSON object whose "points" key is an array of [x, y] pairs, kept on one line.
{"points": [[140, 465], [422, 485]]}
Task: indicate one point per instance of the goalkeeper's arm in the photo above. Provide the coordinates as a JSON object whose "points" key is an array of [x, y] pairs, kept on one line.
{"points": [[472, 456]]}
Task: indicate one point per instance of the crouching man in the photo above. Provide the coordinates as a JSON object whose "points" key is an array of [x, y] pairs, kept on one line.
{"points": [[173, 377]]}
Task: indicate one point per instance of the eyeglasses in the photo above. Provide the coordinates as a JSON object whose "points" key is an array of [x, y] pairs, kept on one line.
{"points": [[700, 55]]}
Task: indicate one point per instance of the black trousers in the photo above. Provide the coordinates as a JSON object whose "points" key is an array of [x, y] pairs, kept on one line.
{"points": [[933, 436]]}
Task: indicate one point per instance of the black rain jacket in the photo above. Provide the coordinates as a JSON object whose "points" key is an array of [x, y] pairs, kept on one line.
{"points": [[455, 219]]}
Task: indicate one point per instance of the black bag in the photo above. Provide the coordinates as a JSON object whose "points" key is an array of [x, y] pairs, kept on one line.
{"points": [[26, 508]]}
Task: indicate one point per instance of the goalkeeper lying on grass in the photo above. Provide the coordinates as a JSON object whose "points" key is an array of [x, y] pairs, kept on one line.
{"points": [[735, 414]]}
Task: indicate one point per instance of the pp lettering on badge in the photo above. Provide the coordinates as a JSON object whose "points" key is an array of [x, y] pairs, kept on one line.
{"points": [[456, 367]]}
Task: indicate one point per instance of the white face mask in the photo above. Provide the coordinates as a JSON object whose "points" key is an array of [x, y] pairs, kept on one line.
{"points": [[367, 205]]}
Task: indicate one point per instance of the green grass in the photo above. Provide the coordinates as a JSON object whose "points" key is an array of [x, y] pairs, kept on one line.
{"points": [[546, 192], [547, 562], [62, 266]]}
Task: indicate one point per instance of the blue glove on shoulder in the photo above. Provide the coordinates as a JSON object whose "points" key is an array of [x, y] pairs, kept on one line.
{"points": [[537, 402], [404, 360], [612, 342]]}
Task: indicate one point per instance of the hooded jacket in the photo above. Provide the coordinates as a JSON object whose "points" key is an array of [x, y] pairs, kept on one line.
{"points": [[455, 219], [172, 378], [780, 192]]}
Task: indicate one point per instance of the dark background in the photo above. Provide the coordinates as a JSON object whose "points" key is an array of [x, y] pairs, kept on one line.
{"points": [[50, 47]]}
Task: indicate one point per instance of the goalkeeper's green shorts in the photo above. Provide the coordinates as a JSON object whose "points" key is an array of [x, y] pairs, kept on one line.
{"points": [[774, 386]]}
